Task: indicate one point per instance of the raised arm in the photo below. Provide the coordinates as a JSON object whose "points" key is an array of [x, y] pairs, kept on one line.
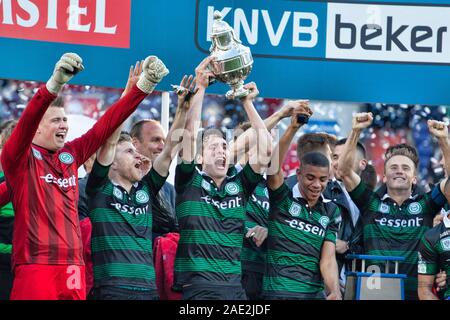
{"points": [[133, 76], [345, 165], [105, 154], [275, 175], [154, 71], [193, 122], [185, 93], [260, 159], [18, 144], [440, 130], [246, 139]]}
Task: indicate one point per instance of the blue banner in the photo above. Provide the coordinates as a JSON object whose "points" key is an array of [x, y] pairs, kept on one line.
{"points": [[394, 51]]}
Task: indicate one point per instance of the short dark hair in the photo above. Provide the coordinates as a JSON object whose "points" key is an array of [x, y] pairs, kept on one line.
{"points": [[402, 149], [205, 134], [359, 146], [241, 128], [314, 142], [369, 176], [315, 159], [124, 137], [244, 125], [136, 128]]}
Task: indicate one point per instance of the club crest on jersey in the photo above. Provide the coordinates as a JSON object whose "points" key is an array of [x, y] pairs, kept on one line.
{"points": [[117, 193], [414, 208], [445, 243], [422, 267], [232, 188], [206, 185], [384, 208], [324, 221], [66, 158], [142, 197], [295, 209], [37, 154]]}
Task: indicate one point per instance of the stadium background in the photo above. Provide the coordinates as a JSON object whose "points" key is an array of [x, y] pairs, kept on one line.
{"points": [[392, 123]]}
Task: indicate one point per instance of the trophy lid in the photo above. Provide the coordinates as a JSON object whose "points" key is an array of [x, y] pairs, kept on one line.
{"points": [[219, 26]]}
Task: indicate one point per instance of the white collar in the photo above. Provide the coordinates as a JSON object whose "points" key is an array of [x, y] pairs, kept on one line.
{"points": [[297, 194], [447, 220], [387, 196], [135, 185]]}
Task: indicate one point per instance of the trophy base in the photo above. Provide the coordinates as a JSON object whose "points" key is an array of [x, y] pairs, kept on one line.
{"points": [[237, 93]]}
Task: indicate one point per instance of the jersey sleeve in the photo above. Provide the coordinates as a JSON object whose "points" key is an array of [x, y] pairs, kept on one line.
{"points": [[362, 196], [333, 226], [184, 174], [428, 263], [5, 194], [91, 141], [97, 178], [249, 179], [14, 153], [435, 200], [277, 196], [155, 181]]}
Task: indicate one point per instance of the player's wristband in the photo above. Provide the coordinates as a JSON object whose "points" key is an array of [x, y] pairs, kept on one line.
{"points": [[53, 86], [146, 85]]}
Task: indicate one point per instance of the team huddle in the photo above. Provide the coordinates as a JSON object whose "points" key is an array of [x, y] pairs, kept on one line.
{"points": [[240, 228]]}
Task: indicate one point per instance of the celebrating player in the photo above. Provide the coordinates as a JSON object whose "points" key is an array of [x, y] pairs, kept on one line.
{"points": [[302, 229], [211, 206], [395, 223], [120, 208], [41, 170]]}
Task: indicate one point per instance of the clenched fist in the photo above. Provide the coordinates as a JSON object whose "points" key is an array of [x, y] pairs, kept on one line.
{"points": [[438, 129], [69, 65], [254, 92], [153, 72], [362, 120], [294, 106]]}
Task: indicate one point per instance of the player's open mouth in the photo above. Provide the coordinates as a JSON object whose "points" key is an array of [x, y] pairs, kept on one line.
{"points": [[138, 165], [399, 178], [61, 135], [220, 163]]}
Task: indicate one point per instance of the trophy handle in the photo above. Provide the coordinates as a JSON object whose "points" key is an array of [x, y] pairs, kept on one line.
{"points": [[212, 80]]}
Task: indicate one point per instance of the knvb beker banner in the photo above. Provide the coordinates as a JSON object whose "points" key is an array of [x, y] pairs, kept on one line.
{"points": [[394, 51]]}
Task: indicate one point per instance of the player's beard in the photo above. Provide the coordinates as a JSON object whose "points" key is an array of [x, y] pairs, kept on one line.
{"points": [[133, 174]]}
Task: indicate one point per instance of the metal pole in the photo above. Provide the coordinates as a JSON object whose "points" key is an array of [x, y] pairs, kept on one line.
{"points": [[165, 102]]}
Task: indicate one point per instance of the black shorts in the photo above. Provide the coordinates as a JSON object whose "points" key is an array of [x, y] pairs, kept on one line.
{"points": [[213, 292], [6, 281], [252, 283], [299, 296], [119, 293]]}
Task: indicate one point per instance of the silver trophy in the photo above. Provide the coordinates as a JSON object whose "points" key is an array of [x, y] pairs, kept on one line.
{"points": [[233, 61]]}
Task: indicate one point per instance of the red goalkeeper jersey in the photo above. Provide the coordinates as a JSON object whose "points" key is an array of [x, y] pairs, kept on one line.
{"points": [[5, 194], [44, 184]]}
